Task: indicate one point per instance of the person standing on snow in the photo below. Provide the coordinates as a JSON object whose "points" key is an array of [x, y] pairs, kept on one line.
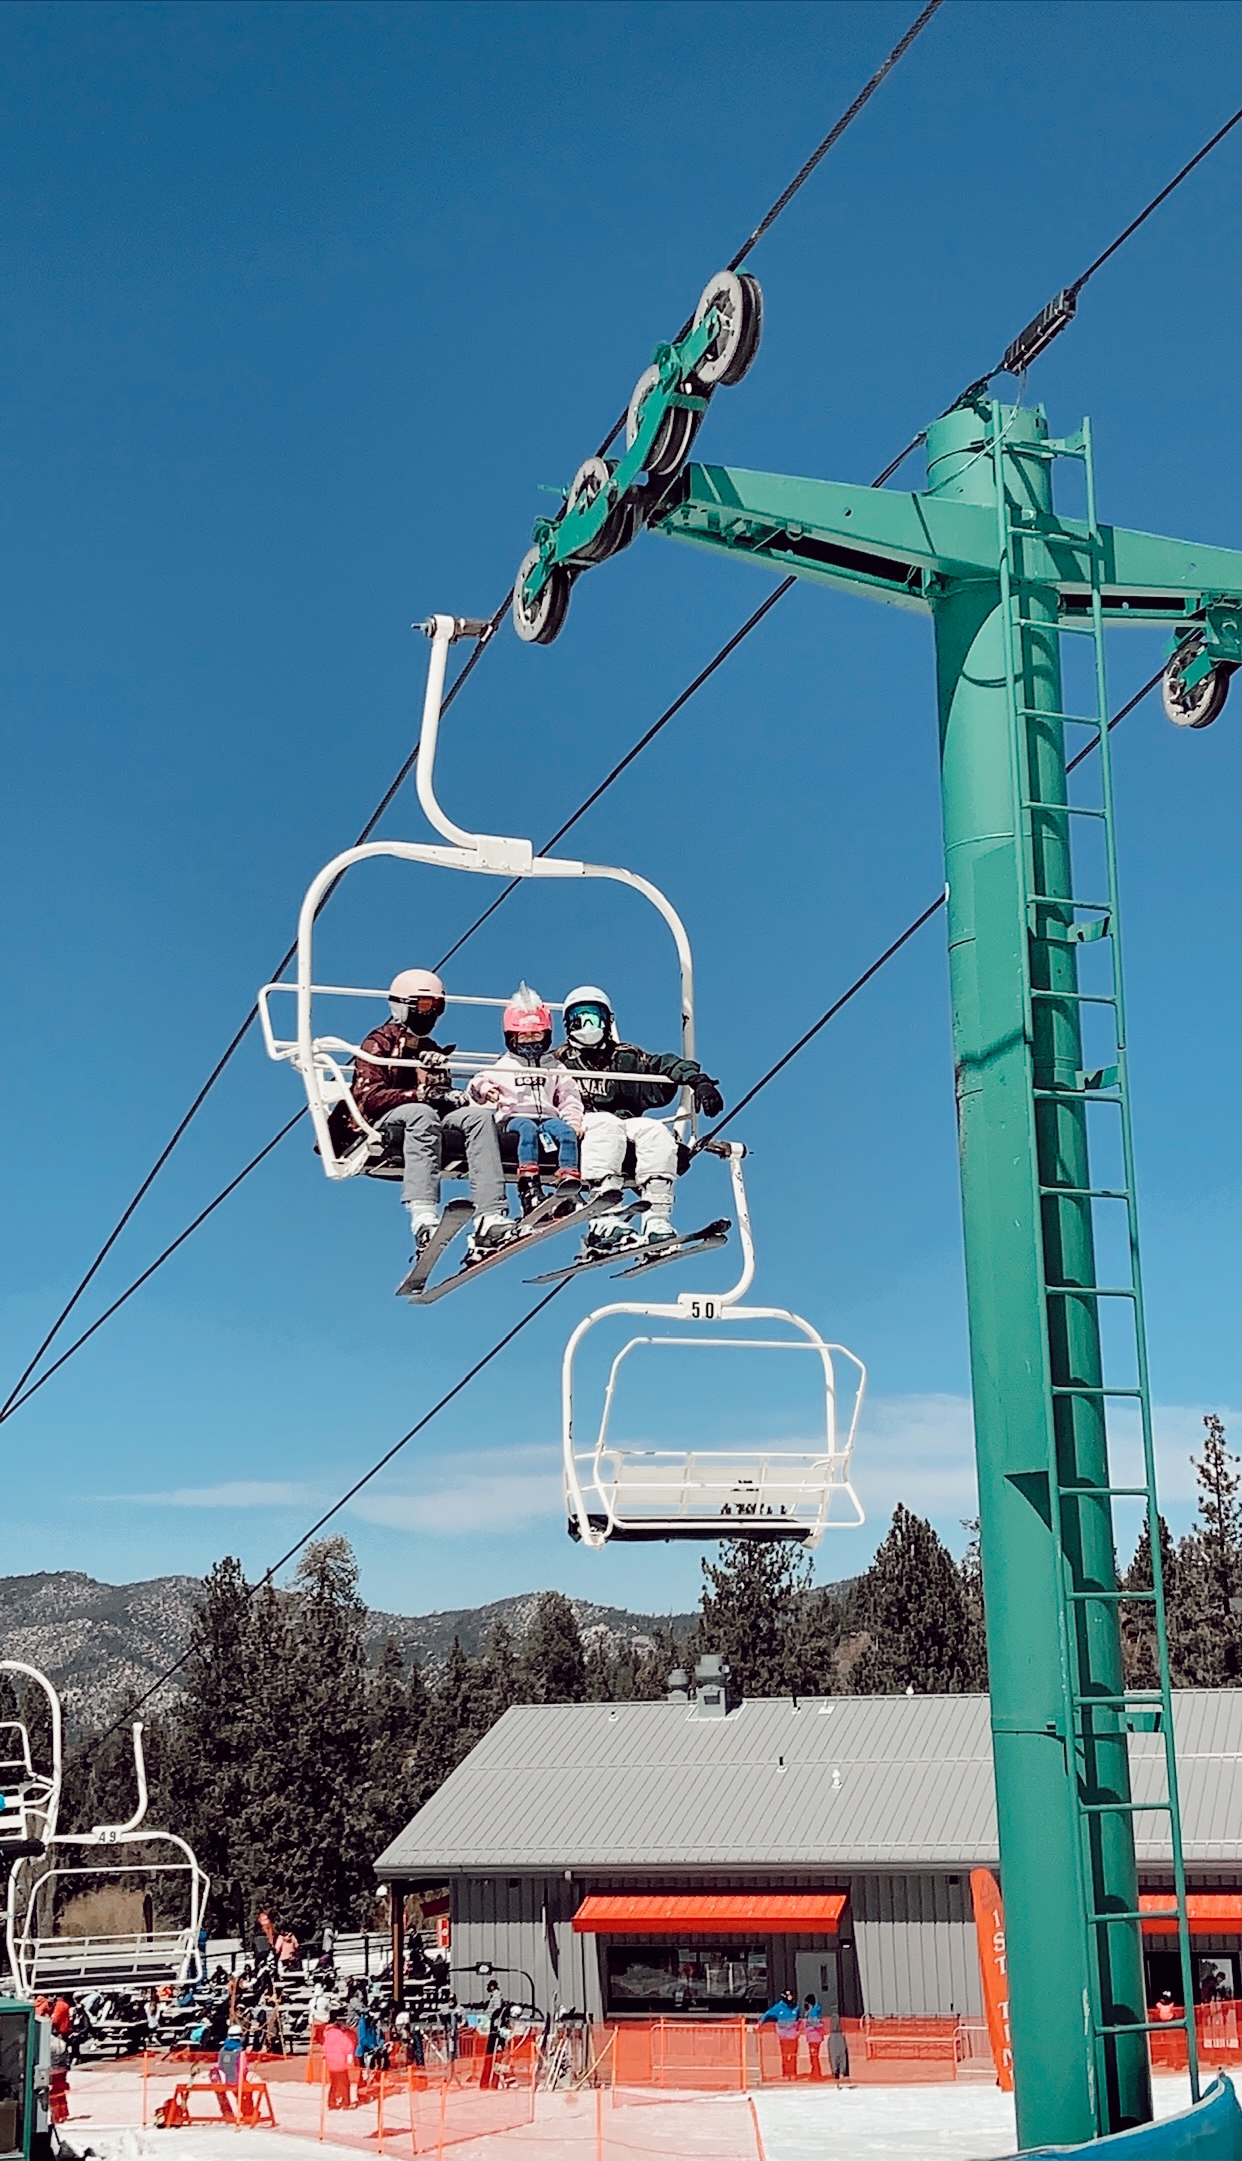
{"points": [[416, 1097], [614, 1114], [783, 2014], [532, 1095]]}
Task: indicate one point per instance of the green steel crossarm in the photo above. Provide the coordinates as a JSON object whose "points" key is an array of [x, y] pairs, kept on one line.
{"points": [[904, 548]]}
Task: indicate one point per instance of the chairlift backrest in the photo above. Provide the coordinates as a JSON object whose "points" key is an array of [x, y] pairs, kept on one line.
{"points": [[614, 1491], [325, 1061]]}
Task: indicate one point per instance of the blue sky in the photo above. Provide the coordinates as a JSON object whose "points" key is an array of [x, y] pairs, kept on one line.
{"points": [[305, 304]]}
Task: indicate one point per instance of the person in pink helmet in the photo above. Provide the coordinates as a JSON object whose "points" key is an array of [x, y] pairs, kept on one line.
{"points": [[531, 1095], [402, 1081]]}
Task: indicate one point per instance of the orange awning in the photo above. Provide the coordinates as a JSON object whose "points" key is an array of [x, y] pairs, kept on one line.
{"points": [[711, 1913], [1210, 1913]]}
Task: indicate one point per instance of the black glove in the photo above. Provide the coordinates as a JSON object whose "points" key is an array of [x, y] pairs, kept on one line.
{"points": [[707, 1096]]}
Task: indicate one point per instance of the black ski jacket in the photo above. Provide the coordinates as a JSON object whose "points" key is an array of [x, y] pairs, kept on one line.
{"points": [[627, 1099]]}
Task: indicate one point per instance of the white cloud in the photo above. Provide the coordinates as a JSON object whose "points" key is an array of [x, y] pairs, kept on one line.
{"points": [[232, 1493], [490, 1501]]}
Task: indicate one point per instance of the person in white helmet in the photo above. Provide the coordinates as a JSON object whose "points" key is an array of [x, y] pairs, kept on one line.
{"points": [[534, 1098], [614, 1113], [402, 1080]]}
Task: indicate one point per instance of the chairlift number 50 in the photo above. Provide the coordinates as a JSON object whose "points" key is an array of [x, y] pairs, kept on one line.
{"points": [[702, 1309]]}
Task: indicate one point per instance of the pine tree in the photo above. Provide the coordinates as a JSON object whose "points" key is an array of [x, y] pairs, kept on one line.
{"points": [[456, 1720], [912, 1604], [551, 1665], [207, 1756], [499, 1677], [970, 1576], [750, 1610], [1138, 1621], [396, 1704], [1210, 1570]]}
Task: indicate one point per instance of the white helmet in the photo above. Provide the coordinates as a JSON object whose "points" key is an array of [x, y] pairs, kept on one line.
{"points": [[589, 1018], [416, 997]]}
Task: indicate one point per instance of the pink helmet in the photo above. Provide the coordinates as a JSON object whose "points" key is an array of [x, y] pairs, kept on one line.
{"points": [[526, 1015]]}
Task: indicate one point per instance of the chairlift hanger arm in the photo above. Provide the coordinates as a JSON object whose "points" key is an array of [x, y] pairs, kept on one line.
{"points": [[904, 549]]}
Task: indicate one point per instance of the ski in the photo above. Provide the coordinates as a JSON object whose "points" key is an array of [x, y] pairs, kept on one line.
{"points": [[455, 1216], [546, 1225], [680, 1249], [642, 1255]]}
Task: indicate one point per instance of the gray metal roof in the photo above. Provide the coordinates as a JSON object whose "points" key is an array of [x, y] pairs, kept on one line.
{"points": [[859, 1781]]}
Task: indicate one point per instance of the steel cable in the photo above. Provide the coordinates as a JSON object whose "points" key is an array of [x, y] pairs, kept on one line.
{"points": [[380, 1464], [778, 594], [497, 617]]}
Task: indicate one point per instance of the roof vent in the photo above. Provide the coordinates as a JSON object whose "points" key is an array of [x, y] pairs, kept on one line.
{"points": [[712, 1698], [679, 1685]]}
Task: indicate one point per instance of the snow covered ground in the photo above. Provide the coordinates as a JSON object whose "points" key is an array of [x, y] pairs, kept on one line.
{"points": [[965, 2122]]}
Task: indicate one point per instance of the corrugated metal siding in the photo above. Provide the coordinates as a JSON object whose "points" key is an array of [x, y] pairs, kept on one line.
{"points": [[916, 1946], [494, 1919]]}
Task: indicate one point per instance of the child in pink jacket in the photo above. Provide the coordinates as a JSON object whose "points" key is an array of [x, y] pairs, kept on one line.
{"points": [[533, 1094]]}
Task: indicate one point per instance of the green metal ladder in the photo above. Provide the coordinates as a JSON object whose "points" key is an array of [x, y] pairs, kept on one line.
{"points": [[1033, 623]]}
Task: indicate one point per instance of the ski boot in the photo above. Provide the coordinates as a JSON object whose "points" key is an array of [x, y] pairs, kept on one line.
{"points": [[658, 1230], [530, 1191], [487, 1235], [568, 1192], [424, 1223], [609, 1232]]}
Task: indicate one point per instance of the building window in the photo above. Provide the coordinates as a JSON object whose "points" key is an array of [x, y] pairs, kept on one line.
{"points": [[662, 1977]]}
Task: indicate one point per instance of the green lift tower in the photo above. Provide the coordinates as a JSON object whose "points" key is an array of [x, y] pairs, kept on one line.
{"points": [[1042, 1095]]}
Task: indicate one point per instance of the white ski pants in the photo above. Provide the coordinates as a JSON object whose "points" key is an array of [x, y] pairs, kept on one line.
{"points": [[604, 1140]]}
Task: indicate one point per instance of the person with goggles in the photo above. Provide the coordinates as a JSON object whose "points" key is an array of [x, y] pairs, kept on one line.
{"points": [[614, 1105], [402, 1082]]}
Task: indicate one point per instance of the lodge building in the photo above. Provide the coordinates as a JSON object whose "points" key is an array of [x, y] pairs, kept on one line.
{"points": [[698, 1855]]}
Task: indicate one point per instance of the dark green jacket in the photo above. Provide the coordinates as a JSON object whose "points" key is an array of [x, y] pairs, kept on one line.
{"points": [[627, 1099]]}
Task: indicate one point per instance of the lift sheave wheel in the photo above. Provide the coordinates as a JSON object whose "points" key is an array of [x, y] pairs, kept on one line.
{"points": [[1198, 704], [738, 304], [537, 621], [607, 503]]}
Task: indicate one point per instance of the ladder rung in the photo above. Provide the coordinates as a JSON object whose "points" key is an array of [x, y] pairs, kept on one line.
{"points": [[1071, 810], [1069, 900], [1085, 1193], [1124, 1808], [1080, 1095], [1086, 1388], [1084, 1290], [1043, 712], [1062, 623], [1146, 2025], [1110, 1598], [1131, 1699], [1107, 1493], [1080, 997], [1043, 532], [1104, 1920]]}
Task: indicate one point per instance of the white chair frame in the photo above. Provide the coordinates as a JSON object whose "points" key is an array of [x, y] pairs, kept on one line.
{"points": [[323, 1060], [616, 1491], [40, 1962]]}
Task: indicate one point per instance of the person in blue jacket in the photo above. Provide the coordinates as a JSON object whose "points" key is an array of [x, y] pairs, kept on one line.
{"points": [[783, 2014]]}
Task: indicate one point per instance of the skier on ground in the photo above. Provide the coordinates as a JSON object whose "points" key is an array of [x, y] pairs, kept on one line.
{"points": [[417, 1098], [532, 1096], [614, 1115]]}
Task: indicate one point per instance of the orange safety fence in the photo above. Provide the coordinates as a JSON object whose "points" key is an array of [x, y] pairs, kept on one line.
{"points": [[1218, 2030], [737, 2055]]}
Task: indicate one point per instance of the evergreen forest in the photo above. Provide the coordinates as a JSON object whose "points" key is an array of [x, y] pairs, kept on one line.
{"points": [[289, 1761]]}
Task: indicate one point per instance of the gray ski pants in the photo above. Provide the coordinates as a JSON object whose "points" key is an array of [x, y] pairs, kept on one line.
{"points": [[421, 1183]]}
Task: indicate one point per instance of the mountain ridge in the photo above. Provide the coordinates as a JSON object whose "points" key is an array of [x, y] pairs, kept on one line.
{"points": [[94, 1639]]}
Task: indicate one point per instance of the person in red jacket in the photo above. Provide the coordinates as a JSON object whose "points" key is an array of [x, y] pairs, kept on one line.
{"points": [[402, 1082]]}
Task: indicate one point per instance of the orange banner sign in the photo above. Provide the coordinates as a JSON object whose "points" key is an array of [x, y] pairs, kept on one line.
{"points": [[994, 1966]]}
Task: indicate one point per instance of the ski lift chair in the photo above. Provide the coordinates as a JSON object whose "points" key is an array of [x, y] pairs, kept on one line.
{"points": [[616, 1492], [138, 1959], [29, 1797], [345, 1141]]}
